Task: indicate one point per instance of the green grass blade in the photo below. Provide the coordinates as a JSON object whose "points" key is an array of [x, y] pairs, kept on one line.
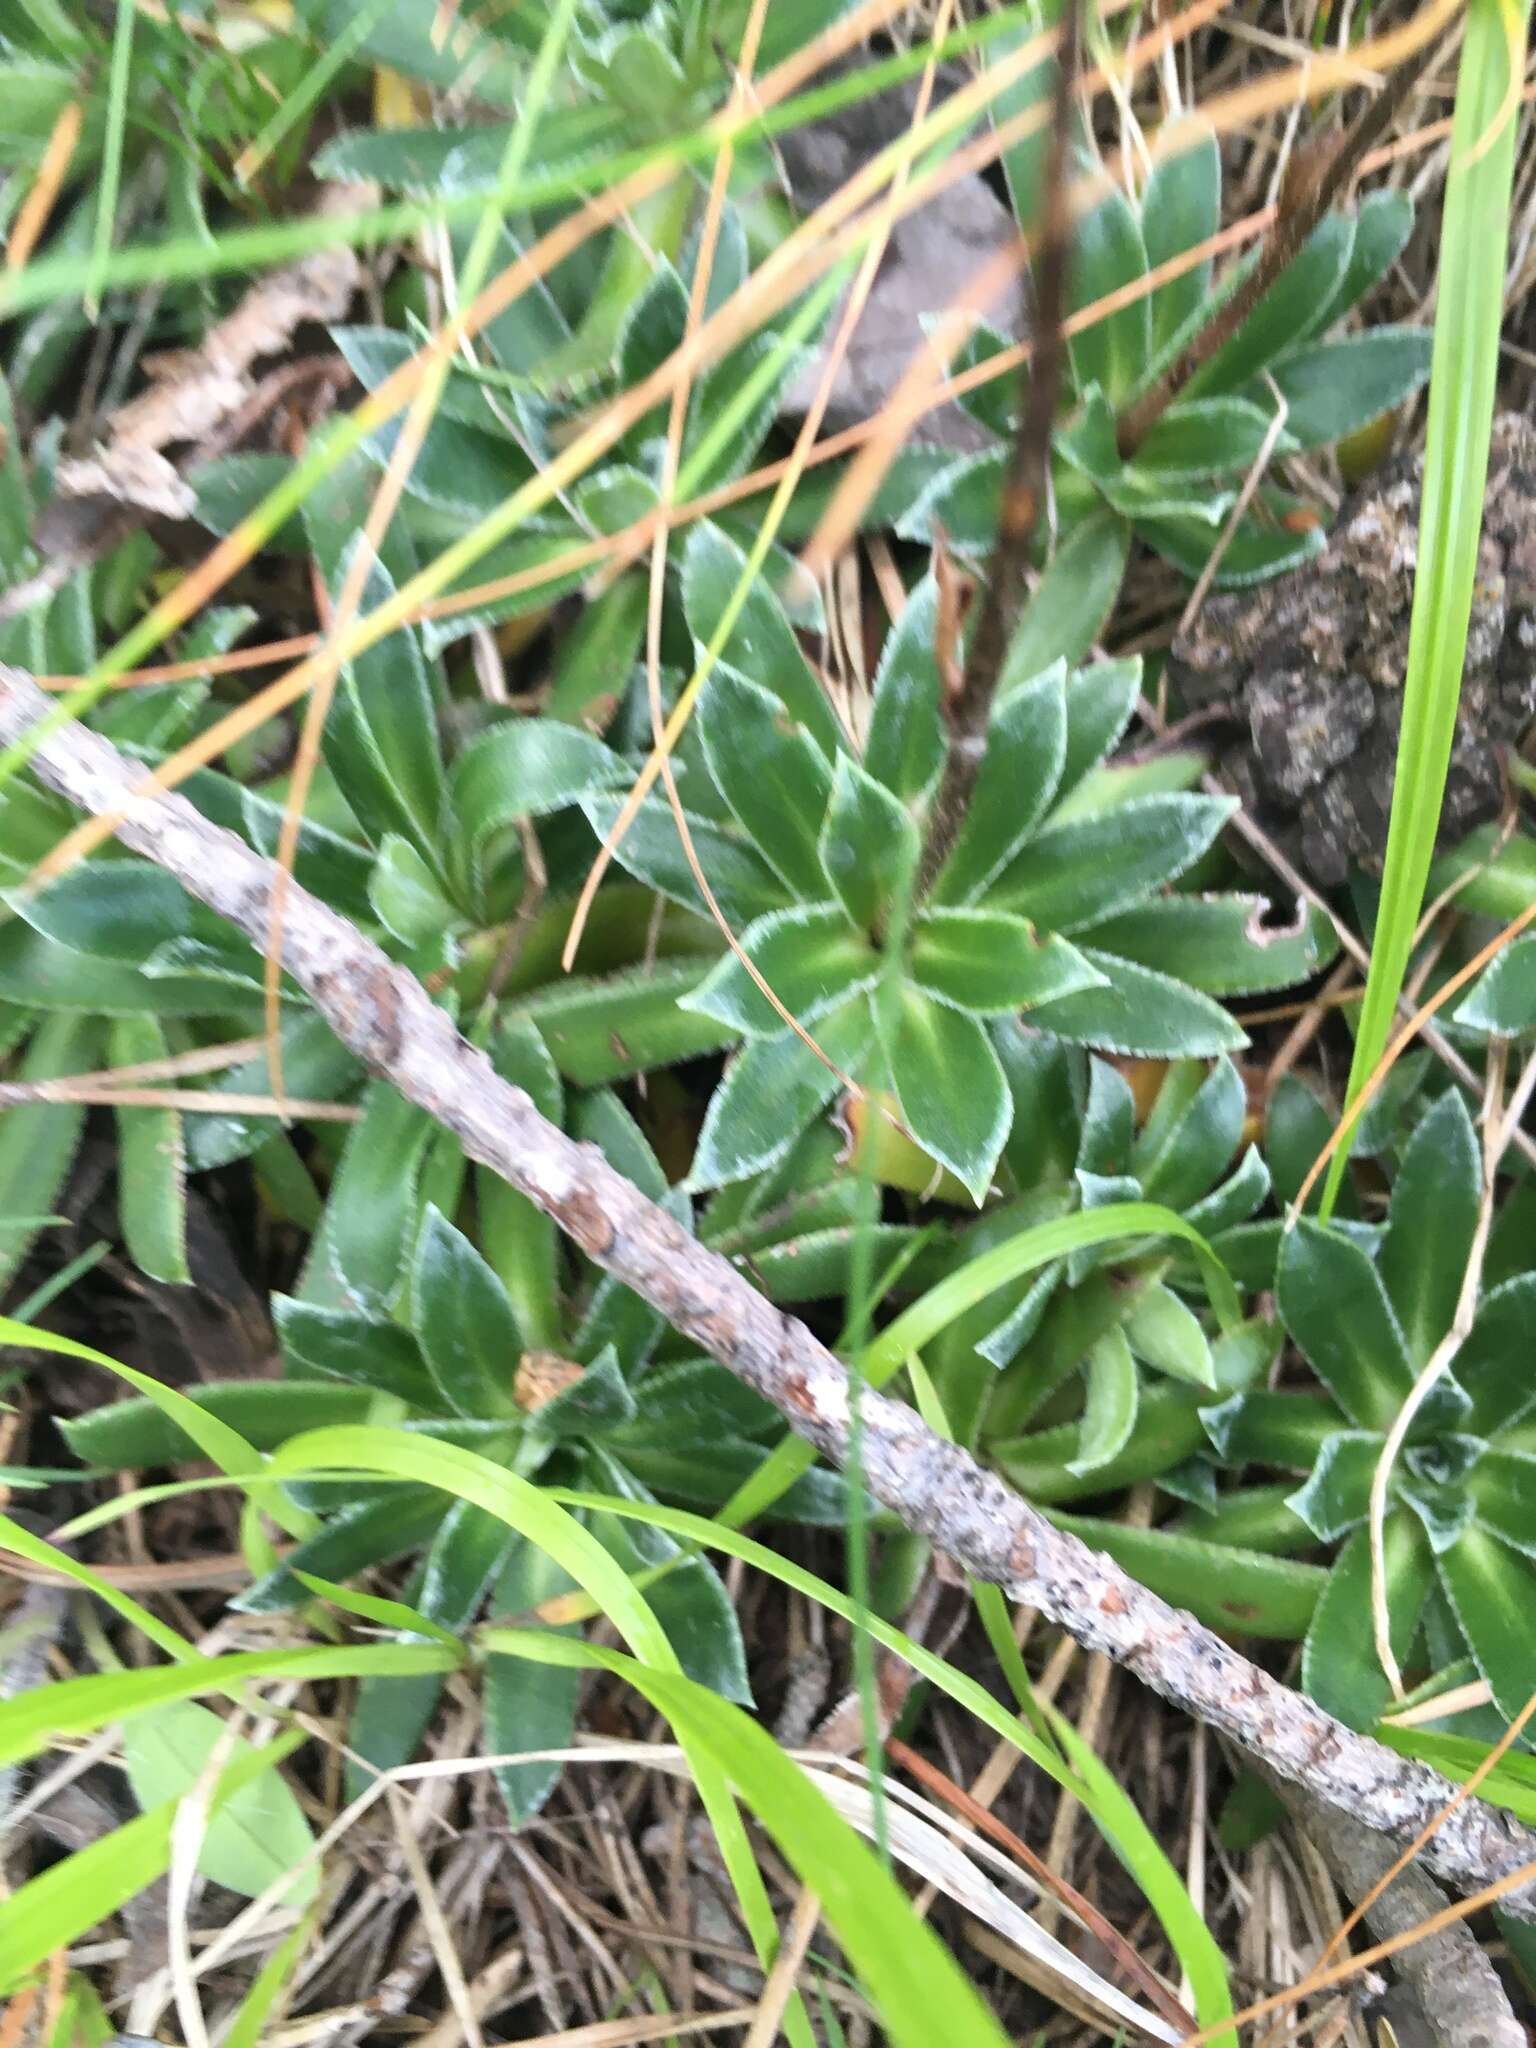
{"points": [[1082, 1772], [906, 1968], [111, 150], [1468, 313], [218, 1442], [45, 1915], [534, 1514], [21, 1542], [951, 1297], [81, 1706]]}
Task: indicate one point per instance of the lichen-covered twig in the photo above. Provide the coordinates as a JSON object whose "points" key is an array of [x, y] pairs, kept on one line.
{"points": [[382, 1012]]}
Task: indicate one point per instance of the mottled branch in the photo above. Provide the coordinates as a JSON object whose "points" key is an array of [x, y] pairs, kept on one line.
{"points": [[388, 1019]]}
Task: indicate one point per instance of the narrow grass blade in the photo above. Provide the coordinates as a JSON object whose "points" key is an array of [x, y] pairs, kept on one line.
{"points": [[1468, 313]]}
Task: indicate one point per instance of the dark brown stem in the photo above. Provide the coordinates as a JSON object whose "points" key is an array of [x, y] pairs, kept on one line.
{"points": [[1320, 171], [381, 1012], [968, 710]]}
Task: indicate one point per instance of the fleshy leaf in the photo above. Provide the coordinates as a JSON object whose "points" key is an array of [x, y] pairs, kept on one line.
{"points": [[1494, 1364], [1339, 1665], [869, 845], [367, 1351], [1493, 1590], [1109, 1413], [1308, 281], [1334, 388], [1026, 745], [1503, 998], [1076, 874], [1107, 254], [811, 957], [905, 746], [949, 1086], [769, 1093], [1178, 1156], [1429, 1230], [743, 883], [1221, 944], [759, 642], [992, 964], [1181, 208], [1336, 1308], [1336, 1498], [1164, 1334], [1140, 1012], [772, 774], [527, 768], [464, 1322]]}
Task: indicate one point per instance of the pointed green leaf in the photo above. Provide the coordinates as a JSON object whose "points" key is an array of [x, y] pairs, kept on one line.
{"points": [[1429, 1229], [1339, 1665], [1282, 315], [1179, 1156], [1336, 1308], [772, 774], [759, 641], [769, 1093], [151, 1163], [1107, 254], [1333, 388], [1143, 1013], [354, 1539], [464, 1322], [406, 895], [949, 1086], [381, 739], [1337, 1496], [358, 1257], [1282, 1429], [905, 745], [1243, 1592], [1493, 1590], [869, 846], [38, 1139], [1205, 437], [743, 883], [1165, 1335], [1073, 598], [1016, 785], [1503, 998], [1494, 1364], [1221, 944], [1076, 874], [992, 964], [526, 768], [1503, 1487], [1109, 1411], [366, 1351], [527, 1707], [1383, 223], [1180, 208], [598, 1402], [812, 959]]}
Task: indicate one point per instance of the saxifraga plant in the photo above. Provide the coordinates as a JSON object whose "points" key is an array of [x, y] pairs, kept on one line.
{"points": [[521, 1351], [1056, 901]]}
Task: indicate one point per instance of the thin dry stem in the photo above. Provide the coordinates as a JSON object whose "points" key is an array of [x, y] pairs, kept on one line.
{"points": [[968, 713]]}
